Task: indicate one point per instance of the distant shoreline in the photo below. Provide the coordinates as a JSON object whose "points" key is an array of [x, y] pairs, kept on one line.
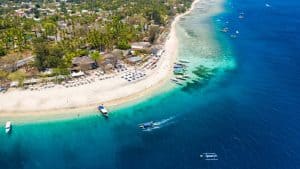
{"points": [[38, 108]]}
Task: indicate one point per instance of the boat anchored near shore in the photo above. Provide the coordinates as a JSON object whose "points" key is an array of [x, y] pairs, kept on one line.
{"points": [[8, 127], [103, 111], [179, 71]]}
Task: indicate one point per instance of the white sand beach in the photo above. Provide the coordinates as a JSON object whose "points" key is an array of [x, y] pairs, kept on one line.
{"points": [[60, 101]]}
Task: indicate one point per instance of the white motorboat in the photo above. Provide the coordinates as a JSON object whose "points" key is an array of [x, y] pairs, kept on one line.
{"points": [[209, 156], [103, 110], [8, 127]]}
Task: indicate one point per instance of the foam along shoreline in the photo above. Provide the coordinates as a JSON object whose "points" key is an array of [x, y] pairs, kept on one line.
{"points": [[61, 103]]}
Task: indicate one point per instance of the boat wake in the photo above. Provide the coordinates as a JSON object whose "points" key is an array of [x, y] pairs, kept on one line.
{"points": [[159, 124]]}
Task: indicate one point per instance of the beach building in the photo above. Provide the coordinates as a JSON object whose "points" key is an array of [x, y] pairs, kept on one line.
{"points": [[8, 67], [83, 63], [52, 38], [112, 58], [157, 50], [140, 45], [13, 66], [160, 52], [23, 62], [20, 12], [31, 81], [62, 24], [134, 59], [2, 89], [146, 39], [36, 19], [47, 72], [77, 74], [14, 84], [108, 66], [154, 51]]}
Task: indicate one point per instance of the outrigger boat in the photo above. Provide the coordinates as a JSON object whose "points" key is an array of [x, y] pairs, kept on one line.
{"points": [[8, 127], [174, 80], [180, 78], [179, 71], [184, 61], [186, 76], [180, 64], [179, 83], [177, 66], [103, 110]]}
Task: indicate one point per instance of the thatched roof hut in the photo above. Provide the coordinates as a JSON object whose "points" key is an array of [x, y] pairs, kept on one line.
{"points": [[83, 63]]}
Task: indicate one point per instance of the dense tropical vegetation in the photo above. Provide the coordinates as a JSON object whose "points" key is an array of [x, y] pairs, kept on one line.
{"points": [[55, 32]]}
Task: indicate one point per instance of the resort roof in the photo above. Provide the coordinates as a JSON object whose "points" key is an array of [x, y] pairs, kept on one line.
{"points": [[134, 59], [82, 60], [117, 52], [108, 55], [14, 84], [140, 45], [77, 74], [160, 52], [22, 62], [31, 81]]}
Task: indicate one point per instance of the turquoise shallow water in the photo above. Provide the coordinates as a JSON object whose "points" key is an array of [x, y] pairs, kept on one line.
{"points": [[117, 142], [243, 105]]}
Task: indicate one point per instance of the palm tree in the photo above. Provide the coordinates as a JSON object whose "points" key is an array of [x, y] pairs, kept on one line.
{"points": [[95, 56], [50, 29], [98, 59], [20, 38]]}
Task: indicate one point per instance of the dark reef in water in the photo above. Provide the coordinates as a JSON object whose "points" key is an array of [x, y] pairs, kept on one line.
{"points": [[191, 33], [204, 74]]}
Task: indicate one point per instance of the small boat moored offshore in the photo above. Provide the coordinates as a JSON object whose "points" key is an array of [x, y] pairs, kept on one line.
{"points": [[8, 127], [103, 110], [241, 16], [209, 156], [147, 125], [225, 30], [268, 5], [233, 36]]}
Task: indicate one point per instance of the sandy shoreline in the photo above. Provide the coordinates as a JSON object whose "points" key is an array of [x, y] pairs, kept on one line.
{"points": [[69, 102]]}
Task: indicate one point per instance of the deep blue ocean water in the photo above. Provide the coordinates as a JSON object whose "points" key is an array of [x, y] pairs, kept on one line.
{"points": [[249, 115]]}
